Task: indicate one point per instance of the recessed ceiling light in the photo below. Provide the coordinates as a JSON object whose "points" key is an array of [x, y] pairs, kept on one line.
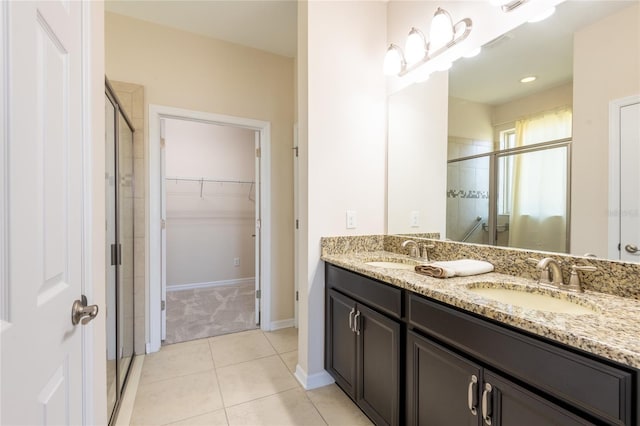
{"points": [[528, 79]]}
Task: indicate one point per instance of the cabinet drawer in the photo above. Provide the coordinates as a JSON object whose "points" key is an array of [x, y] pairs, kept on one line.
{"points": [[597, 388], [376, 294]]}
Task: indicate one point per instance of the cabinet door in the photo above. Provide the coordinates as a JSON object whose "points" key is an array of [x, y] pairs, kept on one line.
{"points": [[378, 366], [441, 389], [510, 405], [340, 359]]}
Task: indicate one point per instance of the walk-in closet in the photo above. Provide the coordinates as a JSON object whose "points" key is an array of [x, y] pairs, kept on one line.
{"points": [[210, 207], [119, 193]]}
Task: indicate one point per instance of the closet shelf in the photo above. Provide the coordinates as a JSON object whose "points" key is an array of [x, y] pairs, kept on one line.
{"points": [[194, 179], [202, 181]]}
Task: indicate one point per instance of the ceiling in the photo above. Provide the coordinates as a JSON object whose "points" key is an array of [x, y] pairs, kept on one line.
{"points": [[269, 25], [543, 49]]}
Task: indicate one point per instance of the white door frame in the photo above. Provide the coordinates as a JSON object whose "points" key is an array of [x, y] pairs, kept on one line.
{"points": [[156, 113], [614, 172]]}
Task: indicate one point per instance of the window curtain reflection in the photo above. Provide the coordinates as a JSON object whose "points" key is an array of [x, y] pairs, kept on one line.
{"points": [[539, 190]]}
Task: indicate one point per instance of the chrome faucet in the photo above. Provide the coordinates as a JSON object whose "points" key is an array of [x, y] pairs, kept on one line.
{"points": [[550, 265], [413, 249]]}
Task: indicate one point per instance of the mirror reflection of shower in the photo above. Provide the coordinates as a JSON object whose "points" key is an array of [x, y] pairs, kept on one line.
{"points": [[529, 195]]}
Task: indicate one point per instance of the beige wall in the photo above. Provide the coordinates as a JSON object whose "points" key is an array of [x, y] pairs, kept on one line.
{"points": [[505, 115], [471, 120], [207, 231], [606, 67], [188, 71], [417, 157], [342, 128]]}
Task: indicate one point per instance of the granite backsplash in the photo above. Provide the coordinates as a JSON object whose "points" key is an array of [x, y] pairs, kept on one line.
{"points": [[611, 277]]}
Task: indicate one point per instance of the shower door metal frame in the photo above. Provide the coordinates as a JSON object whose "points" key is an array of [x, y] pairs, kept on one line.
{"points": [[493, 181], [110, 93]]}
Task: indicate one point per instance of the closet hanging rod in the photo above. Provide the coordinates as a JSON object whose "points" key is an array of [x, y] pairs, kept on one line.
{"points": [[186, 179]]}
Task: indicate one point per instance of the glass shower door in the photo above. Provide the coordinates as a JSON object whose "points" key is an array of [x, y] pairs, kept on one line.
{"points": [[110, 269], [119, 259], [125, 239]]}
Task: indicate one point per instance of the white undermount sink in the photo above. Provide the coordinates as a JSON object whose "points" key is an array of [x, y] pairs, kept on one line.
{"points": [[536, 301], [392, 265]]}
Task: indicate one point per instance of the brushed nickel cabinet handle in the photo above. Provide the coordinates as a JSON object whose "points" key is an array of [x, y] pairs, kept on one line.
{"points": [[471, 394], [485, 404]]}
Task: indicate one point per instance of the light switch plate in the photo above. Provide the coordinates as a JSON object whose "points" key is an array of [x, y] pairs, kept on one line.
{"points": [[352, 221], [414, 221]]}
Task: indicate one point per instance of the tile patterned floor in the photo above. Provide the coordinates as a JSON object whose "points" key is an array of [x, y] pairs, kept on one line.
{"points": [[207, 312], [236, 379]]}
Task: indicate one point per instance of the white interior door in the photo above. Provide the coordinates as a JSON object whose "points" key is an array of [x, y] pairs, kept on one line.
{"points": [[42, 371], [630, 182], [296, 225], [258, 192], [163, 232]]}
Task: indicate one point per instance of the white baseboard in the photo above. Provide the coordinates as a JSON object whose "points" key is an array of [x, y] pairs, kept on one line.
{"points": [[277, 325], [313, 381], [151, 348], [191, 286]]}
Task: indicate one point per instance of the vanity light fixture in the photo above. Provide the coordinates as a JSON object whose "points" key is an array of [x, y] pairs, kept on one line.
{"points": [[394, 61], [508, 5], [473, 53], [443, 35]]}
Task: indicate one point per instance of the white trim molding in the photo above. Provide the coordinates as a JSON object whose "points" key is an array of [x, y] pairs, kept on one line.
{"points": [[614, 173], [156, 114], [4, 165], [313, 381], [280, 324], [192, 286]]}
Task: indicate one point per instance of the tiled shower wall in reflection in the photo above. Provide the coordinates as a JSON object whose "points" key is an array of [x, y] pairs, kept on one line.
{"points": [[131, 97], [468, 190]]}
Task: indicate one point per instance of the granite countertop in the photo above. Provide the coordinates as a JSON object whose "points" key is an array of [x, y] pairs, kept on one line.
{"points": [[610, 332]]}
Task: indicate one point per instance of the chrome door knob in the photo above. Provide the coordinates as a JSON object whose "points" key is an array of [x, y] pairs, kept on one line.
{"points": [[631, 248], [80, 312]]}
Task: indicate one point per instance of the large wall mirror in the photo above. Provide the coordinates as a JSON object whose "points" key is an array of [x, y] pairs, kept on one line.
{"points": [[527, 164]]}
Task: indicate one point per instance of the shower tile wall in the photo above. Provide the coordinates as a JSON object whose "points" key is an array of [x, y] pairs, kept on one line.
{"points": [[131, 97], [467, 189]]}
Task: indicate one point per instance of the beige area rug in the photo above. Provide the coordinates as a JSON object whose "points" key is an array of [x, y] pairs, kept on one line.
{"points": [[206, 312]]}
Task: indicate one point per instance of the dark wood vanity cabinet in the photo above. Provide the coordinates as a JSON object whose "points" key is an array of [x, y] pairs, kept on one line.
{"points": [[363, 349], [407, 359], [445, 388], [531, 381]]}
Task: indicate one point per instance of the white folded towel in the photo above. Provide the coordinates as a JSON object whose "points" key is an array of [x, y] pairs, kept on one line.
{"points": [[452, 268]]}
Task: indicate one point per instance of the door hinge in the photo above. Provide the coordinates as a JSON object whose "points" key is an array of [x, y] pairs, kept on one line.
{"points": [[258, 152], [114, 254], [258, 294], [296, 295], [163, 305], [619, 246], [163, 223], [295, 149], [297, 224], [258, 223], [163, 143]]}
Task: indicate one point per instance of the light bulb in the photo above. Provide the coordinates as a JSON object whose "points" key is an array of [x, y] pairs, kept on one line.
{"points": [[473, 53], [444, 67], [416, 47], [441, 32], [393, 60]]}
